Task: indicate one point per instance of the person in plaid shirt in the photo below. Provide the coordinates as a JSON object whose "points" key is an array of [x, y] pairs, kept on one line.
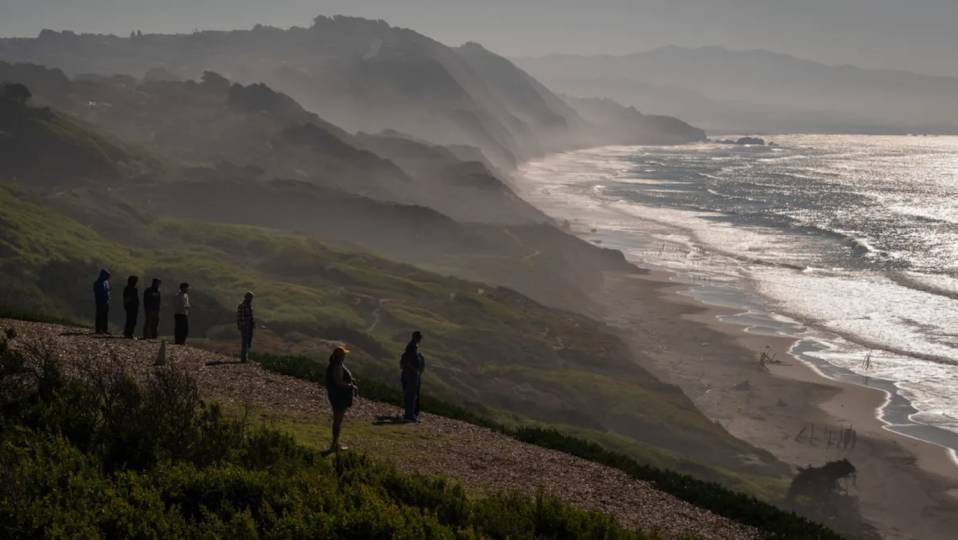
{"points": [[245, 324]]}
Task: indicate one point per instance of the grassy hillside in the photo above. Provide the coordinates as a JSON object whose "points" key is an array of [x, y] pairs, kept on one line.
{"points": [[81, 155], [658, 470], [111, 456], [489, 349], [349, 190]]}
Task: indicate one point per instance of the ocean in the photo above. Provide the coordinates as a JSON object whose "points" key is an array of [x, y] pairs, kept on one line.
{"points": [[847, 243]]}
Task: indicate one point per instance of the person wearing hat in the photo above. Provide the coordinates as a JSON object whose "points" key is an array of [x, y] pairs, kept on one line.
{"points": [[340, 389], [245, 325]]}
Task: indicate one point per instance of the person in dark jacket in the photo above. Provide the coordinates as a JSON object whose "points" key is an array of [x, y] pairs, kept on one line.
{"points": [[340, 389], [101, 296], [151, 310], [245, 324], [131, 304], [412, 364], [181, 315]]}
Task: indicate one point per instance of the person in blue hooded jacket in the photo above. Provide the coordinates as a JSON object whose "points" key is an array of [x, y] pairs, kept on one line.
{"points": [[101, 296]]}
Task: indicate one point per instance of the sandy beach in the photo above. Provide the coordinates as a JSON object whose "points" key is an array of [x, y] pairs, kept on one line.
{"points": [[903, 484]]}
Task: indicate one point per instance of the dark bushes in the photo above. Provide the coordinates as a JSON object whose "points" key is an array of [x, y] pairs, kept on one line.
{"points": [[105, 454]]}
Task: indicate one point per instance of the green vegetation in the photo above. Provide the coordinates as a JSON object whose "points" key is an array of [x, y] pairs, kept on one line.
{"points": [[736, 506], [106, 456], [490, 349], [81, 154]]}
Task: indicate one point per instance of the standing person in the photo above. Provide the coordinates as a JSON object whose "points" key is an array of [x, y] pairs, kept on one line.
{"points": [[101, 296], [340, 390], [131, 304], [151, 309], [412, 363], [181, 314], [245, 324]]}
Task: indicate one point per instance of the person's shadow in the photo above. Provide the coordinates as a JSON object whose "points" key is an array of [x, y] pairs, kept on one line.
{"points": [[388, 420], [91, 335], [225, 363]]}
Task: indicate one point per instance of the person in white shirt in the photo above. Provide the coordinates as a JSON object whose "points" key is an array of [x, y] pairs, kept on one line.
{"points": [[181, 314]]}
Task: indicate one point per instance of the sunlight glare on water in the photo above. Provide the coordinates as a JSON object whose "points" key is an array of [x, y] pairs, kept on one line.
{"points": [[856, 235]]}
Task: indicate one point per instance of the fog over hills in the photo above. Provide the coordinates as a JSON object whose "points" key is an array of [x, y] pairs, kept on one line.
{"points": [[757, 90], [359, 74]]}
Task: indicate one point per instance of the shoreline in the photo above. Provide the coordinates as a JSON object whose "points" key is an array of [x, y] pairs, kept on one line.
{"points": [[907, 487], [904, 485]]}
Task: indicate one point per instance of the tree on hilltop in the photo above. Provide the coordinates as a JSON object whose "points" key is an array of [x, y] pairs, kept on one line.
{"points": [[16, 92]]}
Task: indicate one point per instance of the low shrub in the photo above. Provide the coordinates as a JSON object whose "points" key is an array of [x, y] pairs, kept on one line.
{"points": [[107, 455]]}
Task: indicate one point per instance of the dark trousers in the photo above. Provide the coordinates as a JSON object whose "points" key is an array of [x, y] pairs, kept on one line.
{"points": [[181, 328], [411, 382], [152, 324], [246, 343], [130, 326], [102, 322]]}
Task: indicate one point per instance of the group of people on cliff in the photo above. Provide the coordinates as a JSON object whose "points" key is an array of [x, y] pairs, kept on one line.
{"points": [[340, 384], [152, 300]]}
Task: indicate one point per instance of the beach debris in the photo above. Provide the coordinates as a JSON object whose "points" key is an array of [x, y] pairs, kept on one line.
{"points": [[844, 438], [743, 386], [849, 438]]}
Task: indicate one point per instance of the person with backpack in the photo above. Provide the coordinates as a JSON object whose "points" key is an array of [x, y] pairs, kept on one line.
{"points": [[151, 310], [245, 325], [131, 305], [181, 315], [101, 297], [412, 364], [340, 390]]}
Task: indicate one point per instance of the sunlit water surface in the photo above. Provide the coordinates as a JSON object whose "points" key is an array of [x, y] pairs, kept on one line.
{"points": [[849, 242]]}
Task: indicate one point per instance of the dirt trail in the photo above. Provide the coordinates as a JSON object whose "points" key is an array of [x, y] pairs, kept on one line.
{"points": [[479, 458]]}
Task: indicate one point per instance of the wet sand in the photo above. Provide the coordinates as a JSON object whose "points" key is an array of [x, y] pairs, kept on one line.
{"points": [[906, 486]]}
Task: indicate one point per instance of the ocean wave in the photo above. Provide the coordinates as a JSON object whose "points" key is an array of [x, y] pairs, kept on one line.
{"points": [[923, 283]]}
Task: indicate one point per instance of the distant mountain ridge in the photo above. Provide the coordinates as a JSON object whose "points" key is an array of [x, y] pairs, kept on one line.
{"points": [[360, 74], [757, 90]]}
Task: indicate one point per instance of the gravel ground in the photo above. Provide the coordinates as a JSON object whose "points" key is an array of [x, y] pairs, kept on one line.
{"points": [[479, 458]]}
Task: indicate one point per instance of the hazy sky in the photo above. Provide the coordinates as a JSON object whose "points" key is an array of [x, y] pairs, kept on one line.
{"points": [[919, 35]]}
